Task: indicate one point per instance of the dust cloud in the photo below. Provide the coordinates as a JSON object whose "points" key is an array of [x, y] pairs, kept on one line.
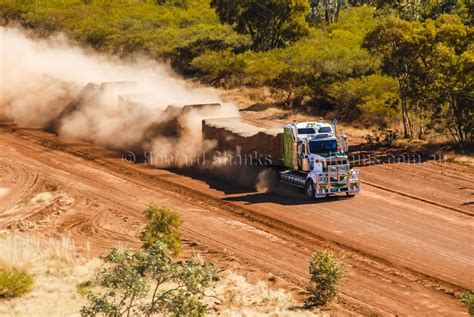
{"points": [[266, 181], [124, 105]]}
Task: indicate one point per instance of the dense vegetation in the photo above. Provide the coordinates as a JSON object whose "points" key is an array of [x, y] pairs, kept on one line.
{"points": [[371, 62]]}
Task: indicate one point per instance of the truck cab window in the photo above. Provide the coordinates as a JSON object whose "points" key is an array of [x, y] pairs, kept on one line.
{"points": [[325, 130], [306, 131], [323, 147]]}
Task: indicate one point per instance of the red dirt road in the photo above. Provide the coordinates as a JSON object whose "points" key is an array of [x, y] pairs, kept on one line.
{"points": [[408, 237]]}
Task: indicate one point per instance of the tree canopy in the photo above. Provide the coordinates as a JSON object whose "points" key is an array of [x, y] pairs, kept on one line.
{"points": [[400, 64], [432, 62], [269, 23]]}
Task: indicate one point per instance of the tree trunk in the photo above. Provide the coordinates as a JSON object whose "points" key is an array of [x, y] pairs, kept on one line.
{"points": [[458, 120], [422, 131], [403, 100], [411, 128]]}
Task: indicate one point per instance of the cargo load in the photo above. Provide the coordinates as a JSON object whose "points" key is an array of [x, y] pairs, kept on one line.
{"points": [[236, 135]]}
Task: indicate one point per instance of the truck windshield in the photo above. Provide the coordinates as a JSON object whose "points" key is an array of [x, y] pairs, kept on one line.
{"points": [[325, 130], [306, 131], [322, 147]]}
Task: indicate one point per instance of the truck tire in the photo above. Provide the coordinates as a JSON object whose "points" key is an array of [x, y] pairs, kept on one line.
{"points": [[350, 194], [309, 189]]}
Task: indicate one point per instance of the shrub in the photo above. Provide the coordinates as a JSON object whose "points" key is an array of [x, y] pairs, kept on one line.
{"points": [[162, 226], [222, 68], [149, 281], [14, 282], [84, 288], [370, 100], [468, 300], [326, 273], [124, 286], [383, 138]]}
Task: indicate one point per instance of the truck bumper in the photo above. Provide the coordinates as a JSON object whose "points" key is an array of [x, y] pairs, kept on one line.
{"points": [[330, 191]]}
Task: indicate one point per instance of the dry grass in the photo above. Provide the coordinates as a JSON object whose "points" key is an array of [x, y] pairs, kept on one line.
{"points": [[355, 135], [14, 282], [242, 97], [442, 151], [58, 272], [241, 298], [458, 158], [56, 269]]}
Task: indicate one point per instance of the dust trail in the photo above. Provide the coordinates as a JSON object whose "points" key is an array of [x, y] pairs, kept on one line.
{"points": [[44, 84], [266, 181]]}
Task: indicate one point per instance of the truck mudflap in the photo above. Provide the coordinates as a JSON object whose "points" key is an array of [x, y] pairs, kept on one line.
{"points": [[333, 183]]}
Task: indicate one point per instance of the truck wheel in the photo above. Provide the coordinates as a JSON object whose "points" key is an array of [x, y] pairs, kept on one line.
{"points": [[309, 189], [350, 195]]}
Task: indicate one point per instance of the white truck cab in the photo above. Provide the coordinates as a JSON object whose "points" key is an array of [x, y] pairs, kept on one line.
{"points": [[317, 160], [313, 129]]}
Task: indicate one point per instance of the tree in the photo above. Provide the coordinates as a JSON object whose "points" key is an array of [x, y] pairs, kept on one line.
{"points": [[176, 3], [325, 10], [410, 10], [432, 62], [148, 281], [123, 287], [421, 10], [162, 226], [326, 273], [433, 9], [396, 42], [451, 75], [269, 23], [369, 100]]}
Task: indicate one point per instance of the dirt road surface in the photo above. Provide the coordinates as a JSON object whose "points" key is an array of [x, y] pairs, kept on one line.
{"points": [[408, 237]]}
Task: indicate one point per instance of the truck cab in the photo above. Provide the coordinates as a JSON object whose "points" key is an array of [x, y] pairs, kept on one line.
{"points": [[316, 161]]}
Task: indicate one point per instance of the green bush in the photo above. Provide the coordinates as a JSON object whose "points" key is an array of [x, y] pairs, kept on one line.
{"points": [[14, 282], [84, 288], [162, 226], [149, 281], [222, 68], [326, 274], [307, 68], [381, 137], [366, 101], [468, 300]]}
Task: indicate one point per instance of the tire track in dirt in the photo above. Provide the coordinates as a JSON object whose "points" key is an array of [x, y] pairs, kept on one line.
{"points": [[351, 303], [425, 182], [418, 198]]}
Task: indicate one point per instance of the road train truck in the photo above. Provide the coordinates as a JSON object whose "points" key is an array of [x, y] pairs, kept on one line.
{"points": [[315, 160], [305, 154]]}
